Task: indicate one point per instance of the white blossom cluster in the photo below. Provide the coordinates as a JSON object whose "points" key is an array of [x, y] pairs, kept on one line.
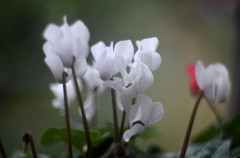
{"points": [[67, 46]]}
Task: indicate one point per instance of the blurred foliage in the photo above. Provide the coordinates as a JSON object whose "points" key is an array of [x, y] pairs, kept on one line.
{"points": [[222, 145], [221, 141]]}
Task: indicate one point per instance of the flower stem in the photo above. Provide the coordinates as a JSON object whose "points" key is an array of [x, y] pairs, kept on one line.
{"points": [[190, 125], [27, 138], [3, 153], [122, 125], [69, 139], [80, 103], [115, 119]]}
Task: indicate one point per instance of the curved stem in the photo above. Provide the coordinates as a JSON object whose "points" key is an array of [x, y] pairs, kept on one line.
{"points": [[190, 125], [80, 103], [27, 138], [115, 119], [3, 153], [69, 139]]}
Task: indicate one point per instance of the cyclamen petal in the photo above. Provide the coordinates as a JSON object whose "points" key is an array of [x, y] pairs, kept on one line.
{"points": [[195, 90], [92, 78], [52, 33], [103, 60], [80, 47], [55, 64], [145, 110], [123, 54], [80, 66], [214, 81], [142, 75], [148, 43], [136, 129], [142, 114], [147, 53]]}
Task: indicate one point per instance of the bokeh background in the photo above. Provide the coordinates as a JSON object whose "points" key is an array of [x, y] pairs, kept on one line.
{"points": [[188, 31]]}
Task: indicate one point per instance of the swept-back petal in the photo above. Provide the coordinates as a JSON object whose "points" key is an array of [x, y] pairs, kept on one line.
{"points": [[148, 44], [52, 33], [150, 58], [92, 78], [79, 30], [220, 83], [223, 89], [80, 37], [56, 66], [98, 51], [106, 68], [80, 67], [156, 114], [123, 54], [147, 78], [136, 129]]}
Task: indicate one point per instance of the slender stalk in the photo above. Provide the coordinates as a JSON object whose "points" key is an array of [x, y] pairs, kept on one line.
{"points": [[190, 125], [80, 103], [115, 119], [27, 138], [3, 153], [95, 117], [69, 139], [122, 125], [25, 147], [214, 111]]}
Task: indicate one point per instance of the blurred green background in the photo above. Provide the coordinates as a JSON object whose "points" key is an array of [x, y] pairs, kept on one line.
{"points": [[187, 30]]}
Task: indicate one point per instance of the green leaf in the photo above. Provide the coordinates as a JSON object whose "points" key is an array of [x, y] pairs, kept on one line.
{"points": [[206, 135], [54, 135]]}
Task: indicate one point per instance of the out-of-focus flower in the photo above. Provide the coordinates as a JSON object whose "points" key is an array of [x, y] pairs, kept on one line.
{"points": [[142, 115], [213, 81], [147, 53], [195, 90], [109, 61], [95, 88], [57, 90], [64, 44]]}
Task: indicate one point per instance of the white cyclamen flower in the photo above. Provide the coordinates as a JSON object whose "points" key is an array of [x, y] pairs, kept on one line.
{"points": [[147, 53], [109, 61], [133, 83], [213, 81], [136, 81], [64, 43], [142, 115]]}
